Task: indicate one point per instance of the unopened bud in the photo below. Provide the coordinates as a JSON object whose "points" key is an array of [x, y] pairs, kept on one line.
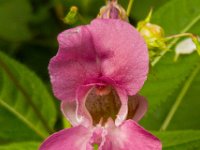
{"points": [[152, 33], [113, 10], [72, 16]]}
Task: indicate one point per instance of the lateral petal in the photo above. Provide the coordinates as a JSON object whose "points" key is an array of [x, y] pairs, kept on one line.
{"points": [[130, 136], [76, 138]]}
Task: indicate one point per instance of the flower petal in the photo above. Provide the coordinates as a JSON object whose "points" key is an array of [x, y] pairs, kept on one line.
{"points": [[186, 46], [74, 63], [69, 111], [122, 114], [122, 51], [76, 111], [82, 112], [130, 136], [76, 138], [137, 107]]}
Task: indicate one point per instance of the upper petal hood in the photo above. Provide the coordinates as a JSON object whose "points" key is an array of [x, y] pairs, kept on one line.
{"points": [[124, 54], [107, 48]]}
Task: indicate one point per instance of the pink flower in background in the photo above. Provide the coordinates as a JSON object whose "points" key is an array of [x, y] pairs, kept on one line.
{"points": [[96, 70]]}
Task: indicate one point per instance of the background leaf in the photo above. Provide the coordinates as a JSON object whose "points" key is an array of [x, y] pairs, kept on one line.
{"points": [[23, 96], [20, 146], [177, 16], [180, 140], [14, 18], [167, 77]]}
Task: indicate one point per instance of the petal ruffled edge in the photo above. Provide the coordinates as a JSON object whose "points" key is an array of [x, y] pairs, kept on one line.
{"points": [[74, 63]]}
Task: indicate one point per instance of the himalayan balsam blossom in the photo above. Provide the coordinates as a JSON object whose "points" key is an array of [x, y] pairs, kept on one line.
{"points": [[97, 74]]}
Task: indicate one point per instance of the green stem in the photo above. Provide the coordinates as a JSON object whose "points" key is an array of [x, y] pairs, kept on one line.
{"points": [[130, 4], [179, 36], [179, 99]]}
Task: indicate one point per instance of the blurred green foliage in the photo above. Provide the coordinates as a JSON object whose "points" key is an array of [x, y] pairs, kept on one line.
{"points": [[28, 31]]}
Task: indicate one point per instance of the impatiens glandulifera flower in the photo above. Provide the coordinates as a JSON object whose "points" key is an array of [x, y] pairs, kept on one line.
{"points": [[96, 70], [108, 54], [113, 10]]}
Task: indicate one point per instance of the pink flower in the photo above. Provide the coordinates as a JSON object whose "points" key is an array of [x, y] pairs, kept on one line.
{"points": [[96, 68]]}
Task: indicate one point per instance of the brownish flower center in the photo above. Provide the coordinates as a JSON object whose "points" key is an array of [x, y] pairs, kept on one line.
{"points": [[103, 103]]}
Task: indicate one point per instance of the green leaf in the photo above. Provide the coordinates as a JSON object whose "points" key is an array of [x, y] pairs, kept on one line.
{"points": [[166, 75], [177, 16], [141, 8], [23, 96], [176, 22], [14, 18], [180, 140], [20, 146], [187, 114]]}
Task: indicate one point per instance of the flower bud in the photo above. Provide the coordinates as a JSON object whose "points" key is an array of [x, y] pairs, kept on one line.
{"points": [[153, 35], [72, 16], [113, 10]]}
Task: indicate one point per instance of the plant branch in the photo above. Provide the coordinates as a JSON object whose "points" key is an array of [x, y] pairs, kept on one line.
{"points": [[130, 4]]}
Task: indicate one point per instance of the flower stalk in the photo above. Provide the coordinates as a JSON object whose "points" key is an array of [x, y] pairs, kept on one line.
{"points": [[129, 8]]}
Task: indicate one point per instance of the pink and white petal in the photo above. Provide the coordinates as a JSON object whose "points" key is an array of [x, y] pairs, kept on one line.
{"points": [[76, 111], [122, 114], [137, 107], [76, 138], [74, 63], [69, 111], [122, 53], [130, 136], [82, 113]]}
